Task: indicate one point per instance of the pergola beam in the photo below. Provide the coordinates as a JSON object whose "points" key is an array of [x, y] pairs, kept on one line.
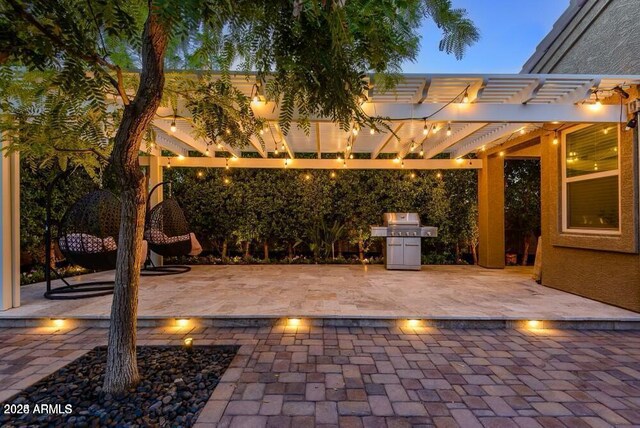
{"points": [[502, 131], [385, 140], [449, 141], [417, 164]]}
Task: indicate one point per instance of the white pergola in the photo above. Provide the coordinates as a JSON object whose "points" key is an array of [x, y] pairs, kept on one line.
{"points": [[496, 108]]}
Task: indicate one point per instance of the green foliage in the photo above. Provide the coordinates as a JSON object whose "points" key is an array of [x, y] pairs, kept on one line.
{"points": [[522, 198], [286, 207]]}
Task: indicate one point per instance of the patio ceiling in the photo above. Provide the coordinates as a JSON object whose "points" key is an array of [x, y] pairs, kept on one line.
{"points": [[498, 107]]}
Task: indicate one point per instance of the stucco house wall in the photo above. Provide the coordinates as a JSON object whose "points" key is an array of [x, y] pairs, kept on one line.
{"points": [[592, 37]]}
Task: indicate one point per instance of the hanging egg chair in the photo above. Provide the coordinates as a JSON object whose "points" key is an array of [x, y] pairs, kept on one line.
{"points": [[168, 234], [87, 237]]}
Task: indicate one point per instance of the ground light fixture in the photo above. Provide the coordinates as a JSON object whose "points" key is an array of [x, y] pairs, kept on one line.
{"points": [[293, 322], [58, 322], [188, 344], [182, 322], [534, 324]]}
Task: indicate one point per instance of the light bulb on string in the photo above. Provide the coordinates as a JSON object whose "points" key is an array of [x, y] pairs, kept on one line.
{"points": [[351, 156], [449, 130], [465, 98], [425, 129], [173, 127], [226, 163], [555, 138], [422, 151], [168, 162], [372, 131]]}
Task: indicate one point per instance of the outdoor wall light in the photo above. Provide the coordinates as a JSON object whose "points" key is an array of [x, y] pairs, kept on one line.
{"points": [[618, 90], [631, 124]]}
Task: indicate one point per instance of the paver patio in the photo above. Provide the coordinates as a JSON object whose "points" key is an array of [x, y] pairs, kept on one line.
{"points": [[384, 377], [330, 291]]}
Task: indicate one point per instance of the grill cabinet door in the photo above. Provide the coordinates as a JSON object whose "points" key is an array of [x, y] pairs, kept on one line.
{"points": [[395, 251], [412, 251]]}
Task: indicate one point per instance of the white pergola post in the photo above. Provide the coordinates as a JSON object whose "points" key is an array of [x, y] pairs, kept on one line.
{"points": [[9, 229], [155, 177]]}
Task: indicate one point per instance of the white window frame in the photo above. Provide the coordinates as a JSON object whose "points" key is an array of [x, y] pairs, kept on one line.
{"points": [[616, 172]]}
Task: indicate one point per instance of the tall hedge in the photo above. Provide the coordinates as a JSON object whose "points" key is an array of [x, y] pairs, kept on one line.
{"points": [[247, 210]]}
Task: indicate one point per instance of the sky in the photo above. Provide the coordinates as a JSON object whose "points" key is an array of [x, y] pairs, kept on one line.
{"points": [[510, 30]]}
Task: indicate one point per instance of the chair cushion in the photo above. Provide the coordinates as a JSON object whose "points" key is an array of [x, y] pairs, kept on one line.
{"points": [[156, 236], [85, 243]]}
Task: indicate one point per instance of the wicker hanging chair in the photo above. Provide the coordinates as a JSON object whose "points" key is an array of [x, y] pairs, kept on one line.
{"points": [[89, 231], [168, 234], [87, 237], [167, 230]]}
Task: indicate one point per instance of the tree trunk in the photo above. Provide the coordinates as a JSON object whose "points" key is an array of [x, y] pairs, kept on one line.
{"points": [[122, 369], [474, 253], [361, 249], [247, 253], [266, 251], [333, 250], [339, 248], [224, 249], [525, 254]]}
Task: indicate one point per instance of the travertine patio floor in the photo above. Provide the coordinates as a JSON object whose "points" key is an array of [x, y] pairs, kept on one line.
{"points": [[329, 291]]}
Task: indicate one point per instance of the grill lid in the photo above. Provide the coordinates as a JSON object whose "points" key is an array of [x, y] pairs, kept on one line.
{"points": [[401, 219]]}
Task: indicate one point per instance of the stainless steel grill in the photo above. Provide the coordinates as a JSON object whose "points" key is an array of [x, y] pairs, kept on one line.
{"points": [[403, 233]]}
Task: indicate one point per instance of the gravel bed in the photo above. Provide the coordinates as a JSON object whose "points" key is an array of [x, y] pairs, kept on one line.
{"points": [[174, 387]]}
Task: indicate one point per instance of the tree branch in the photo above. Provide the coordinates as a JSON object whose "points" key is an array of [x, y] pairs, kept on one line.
{"points": [[91, 57], [94, 151]]}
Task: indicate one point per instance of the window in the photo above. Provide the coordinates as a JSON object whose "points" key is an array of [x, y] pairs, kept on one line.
{"points": [[590, 178]]}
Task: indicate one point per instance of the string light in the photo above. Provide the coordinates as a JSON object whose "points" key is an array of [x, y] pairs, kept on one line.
{"points": [[333, 174], [307, 177], [449, 130], [180, 157], [425, 128], [207, 151], [276, 151], [397, 159], [555, 138], [501, 154], [226, 163], [522, 131], [465, 98], [344, 164], [339, 158], [286, 162], [173, 127], [228, 131], [168, 162], [226, 180], [435, 129], [598, 102], [413, 146], [261, 131], [402, 163], [595, 166], [412, 175], [219, 145], [422, 150], [372, 131], [200, 174], [439, 175], [356, 129]]}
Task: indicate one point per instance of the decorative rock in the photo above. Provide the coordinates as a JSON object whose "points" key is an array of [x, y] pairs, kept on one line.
{"points": [[174, 387]]}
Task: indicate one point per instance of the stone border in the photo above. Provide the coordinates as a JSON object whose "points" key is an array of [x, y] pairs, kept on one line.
{"points": [[213, 410], [586, 324]]}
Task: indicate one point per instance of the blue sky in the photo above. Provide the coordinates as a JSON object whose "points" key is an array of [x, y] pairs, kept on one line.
{"points": [[510, 30]]}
